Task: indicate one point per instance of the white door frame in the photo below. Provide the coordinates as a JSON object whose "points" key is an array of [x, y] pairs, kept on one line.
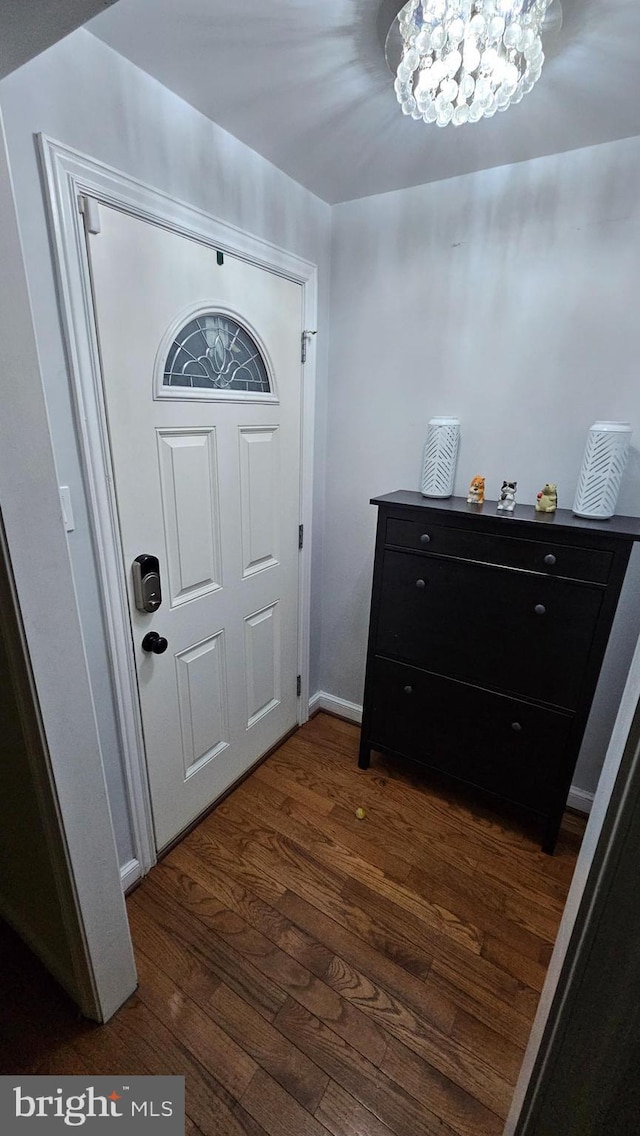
{"points": [[60, 719], [68, 177]]}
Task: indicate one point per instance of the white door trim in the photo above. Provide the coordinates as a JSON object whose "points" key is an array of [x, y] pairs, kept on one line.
{"points": [[68, 176], [71, 766]]}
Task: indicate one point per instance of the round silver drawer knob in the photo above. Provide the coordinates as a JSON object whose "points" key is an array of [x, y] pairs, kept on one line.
{"points": [[550, 559], [516, 727], [408, 690], [540, 609], [420, 584], [425, 538]]}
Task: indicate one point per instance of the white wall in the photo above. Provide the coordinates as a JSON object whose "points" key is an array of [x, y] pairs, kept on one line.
{"points": [[509, 298], [82, 93]]}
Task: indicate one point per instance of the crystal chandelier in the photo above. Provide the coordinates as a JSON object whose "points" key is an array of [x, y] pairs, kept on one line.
{"points": [[466, 59]]}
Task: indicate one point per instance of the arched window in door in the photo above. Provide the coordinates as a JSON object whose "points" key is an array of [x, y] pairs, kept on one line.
{"points": [[213, 352]]}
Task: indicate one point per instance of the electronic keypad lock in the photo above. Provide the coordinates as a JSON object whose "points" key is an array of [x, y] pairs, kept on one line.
{"points": [[146, 582]]}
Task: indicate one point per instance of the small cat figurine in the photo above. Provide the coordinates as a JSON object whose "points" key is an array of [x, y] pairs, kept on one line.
{"points": [[476, 492], [507, 502], [547, 499]]}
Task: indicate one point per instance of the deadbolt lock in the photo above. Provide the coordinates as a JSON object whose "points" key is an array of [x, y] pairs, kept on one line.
{"points": [[146, 582]]}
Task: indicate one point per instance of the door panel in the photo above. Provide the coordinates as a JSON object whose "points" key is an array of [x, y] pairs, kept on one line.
{"points": [[207, 480], [189, 488], [260, 507], [202, 701], [262, 639]]}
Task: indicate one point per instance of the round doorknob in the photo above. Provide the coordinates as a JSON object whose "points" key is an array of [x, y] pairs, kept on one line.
{"points": [[425, 538], [516, 727], [408, 690], [154, 643], [420, 584], [550, 559], [540, 609]]}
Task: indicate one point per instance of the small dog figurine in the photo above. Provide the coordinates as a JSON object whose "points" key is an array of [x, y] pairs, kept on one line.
{"points": [[507, 502], [476, 492], [547, 499]]}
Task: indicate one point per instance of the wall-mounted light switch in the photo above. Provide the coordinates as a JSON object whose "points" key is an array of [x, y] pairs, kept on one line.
{"points": [[67, 511]]}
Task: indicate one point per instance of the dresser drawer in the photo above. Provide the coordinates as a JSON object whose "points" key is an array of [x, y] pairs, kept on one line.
{"points": [[531, 555], [523, 634], [488, 740]]}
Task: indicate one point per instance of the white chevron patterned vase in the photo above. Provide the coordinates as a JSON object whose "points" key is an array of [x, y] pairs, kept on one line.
{"points": [[603, 464], [440, 456]]}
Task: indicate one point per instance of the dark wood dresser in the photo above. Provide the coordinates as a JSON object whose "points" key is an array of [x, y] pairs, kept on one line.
{"points": [[486, 640]]}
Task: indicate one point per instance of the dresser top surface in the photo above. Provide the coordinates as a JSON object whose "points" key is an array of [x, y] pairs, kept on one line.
{"points": [[626, 527]]}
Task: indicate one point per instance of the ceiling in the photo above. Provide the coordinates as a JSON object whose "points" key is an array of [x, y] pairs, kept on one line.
{"points": [[304, 82], [26, 29]]}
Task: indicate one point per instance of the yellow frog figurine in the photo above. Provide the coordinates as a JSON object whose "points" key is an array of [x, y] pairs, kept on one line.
{"points": [[547, 499]]}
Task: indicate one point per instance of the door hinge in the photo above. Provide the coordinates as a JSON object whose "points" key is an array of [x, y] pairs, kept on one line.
{"points": [[299, 685], [90, 210], [305, 336], [300, 536]]}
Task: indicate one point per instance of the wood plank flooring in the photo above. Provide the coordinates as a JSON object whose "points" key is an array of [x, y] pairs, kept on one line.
{"points": [[311, 973]]}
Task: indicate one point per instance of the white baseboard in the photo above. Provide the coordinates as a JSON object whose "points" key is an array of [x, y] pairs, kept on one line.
{"points": [[334, 705], [578, 798], [130, 874]]}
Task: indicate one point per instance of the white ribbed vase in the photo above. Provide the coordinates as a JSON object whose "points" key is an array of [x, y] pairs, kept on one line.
{"points": [[440, 456], [603, 464]]}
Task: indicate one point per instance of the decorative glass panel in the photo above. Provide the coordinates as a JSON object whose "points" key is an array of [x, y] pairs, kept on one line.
{"points": [[213, 352]]}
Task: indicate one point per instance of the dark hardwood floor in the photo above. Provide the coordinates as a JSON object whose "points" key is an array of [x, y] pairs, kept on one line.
{"points": [[312, 973]]}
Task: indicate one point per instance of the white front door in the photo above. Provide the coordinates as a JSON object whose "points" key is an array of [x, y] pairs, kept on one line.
{"points": [[201, 371]]}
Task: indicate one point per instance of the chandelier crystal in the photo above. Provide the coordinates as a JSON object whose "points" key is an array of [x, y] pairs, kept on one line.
{"points": [[463, 60]]}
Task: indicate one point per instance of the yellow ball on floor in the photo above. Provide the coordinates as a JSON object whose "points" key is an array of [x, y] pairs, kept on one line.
{"points": [[360, 813]]}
